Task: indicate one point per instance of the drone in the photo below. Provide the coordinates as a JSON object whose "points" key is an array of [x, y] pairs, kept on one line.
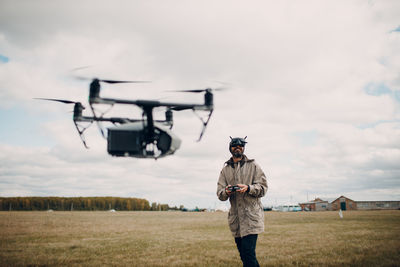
{"points": [[143, 137]]}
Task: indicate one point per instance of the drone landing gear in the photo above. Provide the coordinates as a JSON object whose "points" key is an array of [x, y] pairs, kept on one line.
{"points": [[205, 121], [81, 129]]}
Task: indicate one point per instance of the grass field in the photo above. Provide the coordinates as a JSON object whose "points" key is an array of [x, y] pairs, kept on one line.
{"points": [[361, 238]]}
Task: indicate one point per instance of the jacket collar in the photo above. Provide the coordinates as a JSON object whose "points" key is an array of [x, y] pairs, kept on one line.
{"points": [[244, 159]]}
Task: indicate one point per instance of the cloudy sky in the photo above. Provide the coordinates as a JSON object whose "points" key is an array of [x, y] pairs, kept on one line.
{"points": [[315, 85]]}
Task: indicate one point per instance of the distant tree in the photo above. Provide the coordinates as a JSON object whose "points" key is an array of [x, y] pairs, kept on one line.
{"points": [[77, 203]]}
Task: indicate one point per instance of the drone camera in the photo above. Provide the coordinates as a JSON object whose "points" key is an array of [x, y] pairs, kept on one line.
{"points": [[122, 143], [130, 140]]}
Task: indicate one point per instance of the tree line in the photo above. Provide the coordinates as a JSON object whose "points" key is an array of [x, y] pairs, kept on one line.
{"points": [[79, 203]]}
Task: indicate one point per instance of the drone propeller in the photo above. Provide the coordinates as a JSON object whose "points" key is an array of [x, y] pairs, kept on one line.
{"points": [[108, 81], [199, 90], [114, 81], [59, 100], [78, 107]]}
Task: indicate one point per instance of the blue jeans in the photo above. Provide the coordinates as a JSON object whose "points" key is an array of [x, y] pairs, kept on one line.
{"points": [[247, 250]]}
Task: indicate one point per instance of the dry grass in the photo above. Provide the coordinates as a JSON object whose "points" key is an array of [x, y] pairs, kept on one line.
{"points": [[368, 238]]}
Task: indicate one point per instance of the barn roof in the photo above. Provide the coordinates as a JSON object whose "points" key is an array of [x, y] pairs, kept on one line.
{"points": [[341, 197]]}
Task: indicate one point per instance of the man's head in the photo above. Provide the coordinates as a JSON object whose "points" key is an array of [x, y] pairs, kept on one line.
{"points": [[236, 146]]}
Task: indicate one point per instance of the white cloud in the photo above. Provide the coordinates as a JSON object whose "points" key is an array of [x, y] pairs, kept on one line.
{"points": [[297, 72]]}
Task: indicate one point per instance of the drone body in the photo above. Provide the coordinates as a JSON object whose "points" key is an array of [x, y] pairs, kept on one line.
{"points": [[143, 137]]}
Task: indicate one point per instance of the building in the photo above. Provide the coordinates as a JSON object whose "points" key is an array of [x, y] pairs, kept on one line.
{"points": [[315, 205], [345, 203], [378, 205]]}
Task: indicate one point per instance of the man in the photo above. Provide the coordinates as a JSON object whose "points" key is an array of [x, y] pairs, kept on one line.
{"points": [[244, 183]]}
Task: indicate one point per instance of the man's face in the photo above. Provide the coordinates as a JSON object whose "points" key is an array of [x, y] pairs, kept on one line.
{"points": [[237, 151]]}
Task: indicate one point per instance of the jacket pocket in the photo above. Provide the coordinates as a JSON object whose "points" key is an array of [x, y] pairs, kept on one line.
{"points": [[255, 216], [233, 222]]}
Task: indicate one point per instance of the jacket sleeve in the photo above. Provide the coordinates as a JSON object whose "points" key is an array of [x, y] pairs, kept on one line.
{"points": [[221, 193], [259, 186]]}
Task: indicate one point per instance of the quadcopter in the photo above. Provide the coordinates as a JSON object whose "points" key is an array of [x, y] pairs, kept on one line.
{"points": [[139, 138]]}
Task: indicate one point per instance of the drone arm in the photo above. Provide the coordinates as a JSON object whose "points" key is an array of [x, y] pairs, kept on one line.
{"points": [[84, 119], [150, 103], [110, 119]]}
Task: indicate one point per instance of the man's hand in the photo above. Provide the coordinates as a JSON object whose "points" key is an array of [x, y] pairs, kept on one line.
{"points": [[228, 192], [243, 188]]}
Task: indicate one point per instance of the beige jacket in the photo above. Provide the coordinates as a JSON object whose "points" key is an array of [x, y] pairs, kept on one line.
{"points": [[246, 215]]}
